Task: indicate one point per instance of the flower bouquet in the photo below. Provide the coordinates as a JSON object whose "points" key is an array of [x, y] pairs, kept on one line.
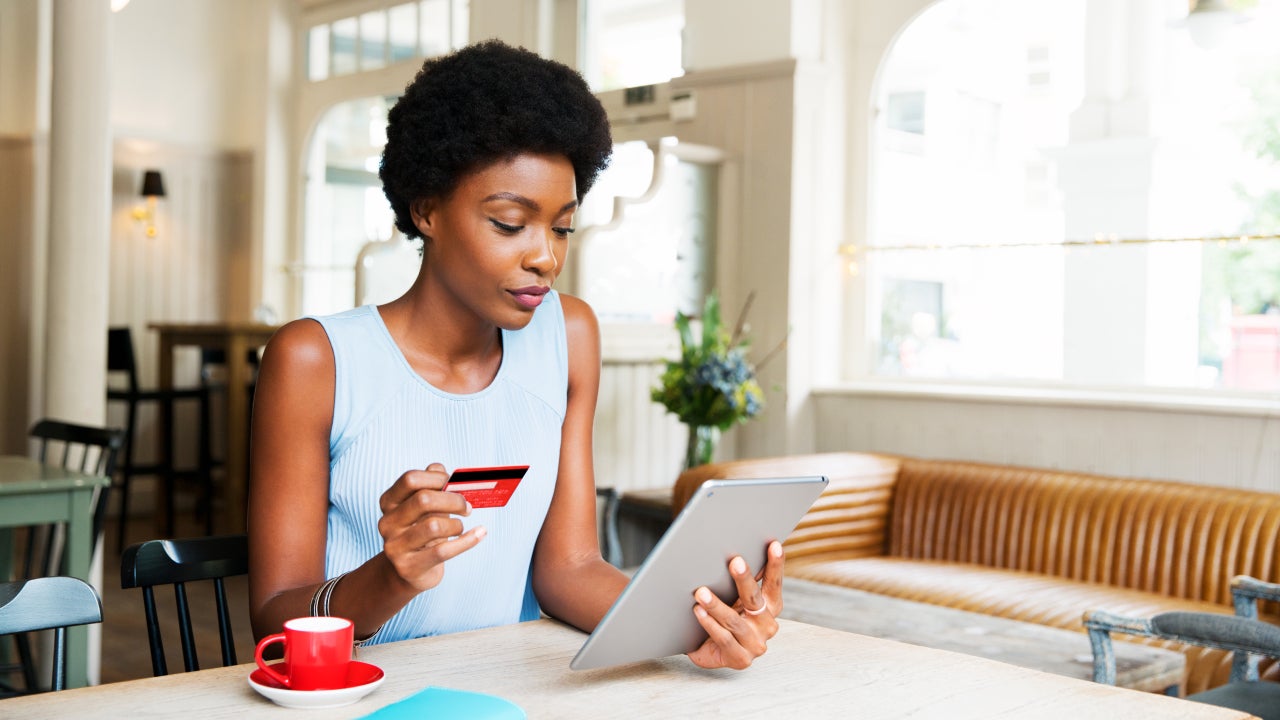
{"points": [[712, 386]]}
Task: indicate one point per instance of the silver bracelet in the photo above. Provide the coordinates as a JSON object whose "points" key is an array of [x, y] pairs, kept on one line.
{"points": [[320, 604], [320, 599]]}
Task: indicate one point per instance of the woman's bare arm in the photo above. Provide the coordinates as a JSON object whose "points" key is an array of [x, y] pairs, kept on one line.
{"points": [[289, 500], [570, 578]]}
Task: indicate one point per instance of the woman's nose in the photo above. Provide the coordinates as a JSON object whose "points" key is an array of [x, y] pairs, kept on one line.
{"points": [[542, 256]]}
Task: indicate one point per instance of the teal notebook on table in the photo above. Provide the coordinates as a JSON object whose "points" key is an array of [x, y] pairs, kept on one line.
{"points": [[436, 702]]}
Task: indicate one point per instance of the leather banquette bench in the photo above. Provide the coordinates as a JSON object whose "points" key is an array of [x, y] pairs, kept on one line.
{"points": [[1033, 545]]}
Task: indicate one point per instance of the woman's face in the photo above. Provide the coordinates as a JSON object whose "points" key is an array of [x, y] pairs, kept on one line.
{"points": [[499, 240]]}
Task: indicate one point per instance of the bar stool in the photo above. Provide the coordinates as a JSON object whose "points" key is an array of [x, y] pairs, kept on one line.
{"points": [[121, 359]]}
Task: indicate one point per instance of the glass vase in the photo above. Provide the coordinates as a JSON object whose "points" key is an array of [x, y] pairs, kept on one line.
{"points": [[702, 445]]}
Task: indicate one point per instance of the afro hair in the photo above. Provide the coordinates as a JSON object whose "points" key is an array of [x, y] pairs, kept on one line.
{"points": [[482, 104]]}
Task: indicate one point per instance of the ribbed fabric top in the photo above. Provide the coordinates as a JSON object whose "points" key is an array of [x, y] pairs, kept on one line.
{"points": [[387, 420]]}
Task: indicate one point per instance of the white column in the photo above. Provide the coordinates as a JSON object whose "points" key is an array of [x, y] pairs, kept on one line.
{"points": [[1106, 188], [79, 228], [1130, 312], [79, 212], [278, 140]]}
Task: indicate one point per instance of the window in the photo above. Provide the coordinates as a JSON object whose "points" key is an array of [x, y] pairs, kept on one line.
{"points": [[628, 43], [904, 111], [345, 205], [1054, 203], [658, 259], [398, 32]]}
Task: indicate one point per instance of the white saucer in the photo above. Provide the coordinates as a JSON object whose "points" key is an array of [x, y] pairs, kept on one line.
{"points": [[365, 679]]}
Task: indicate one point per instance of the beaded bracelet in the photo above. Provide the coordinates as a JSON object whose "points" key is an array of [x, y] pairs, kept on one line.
{"points": [[320, 604]]}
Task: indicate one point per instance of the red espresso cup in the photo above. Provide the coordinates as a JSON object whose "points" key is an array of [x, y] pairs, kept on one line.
{"points": [[317, 652]]}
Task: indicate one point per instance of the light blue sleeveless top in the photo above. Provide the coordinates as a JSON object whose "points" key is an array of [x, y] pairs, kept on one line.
{"points": [[387, 419]]}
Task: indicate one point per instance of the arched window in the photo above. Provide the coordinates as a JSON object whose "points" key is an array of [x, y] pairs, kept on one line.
{"points": [[343, 210], [345, 207], [1078, 193]]}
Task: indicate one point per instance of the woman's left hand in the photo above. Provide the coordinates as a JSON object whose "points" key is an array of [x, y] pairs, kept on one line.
{"points": [[738, 634]]}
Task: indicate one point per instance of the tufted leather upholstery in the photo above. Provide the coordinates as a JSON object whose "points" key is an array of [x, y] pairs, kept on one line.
{"points": [[1033, 545]]}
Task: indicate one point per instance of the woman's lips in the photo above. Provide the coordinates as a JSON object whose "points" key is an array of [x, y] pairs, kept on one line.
{"points": [[530, 297]]}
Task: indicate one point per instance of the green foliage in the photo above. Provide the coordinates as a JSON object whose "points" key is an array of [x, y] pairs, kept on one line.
{"points": [[712, 384], [1247, 274], [1261, 131]]}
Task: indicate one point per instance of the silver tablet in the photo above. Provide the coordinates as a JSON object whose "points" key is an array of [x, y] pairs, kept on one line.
{"points": [[653, 617]]}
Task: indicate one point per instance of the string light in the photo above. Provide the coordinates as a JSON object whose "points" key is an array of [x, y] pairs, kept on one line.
{"points": [[1101, 239]]}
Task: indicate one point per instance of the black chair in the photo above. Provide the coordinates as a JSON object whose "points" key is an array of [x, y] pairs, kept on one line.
{"points": [[610, 543], [177, 562], [54, 603], [1245, 635], [121, 359], [87, 449]]}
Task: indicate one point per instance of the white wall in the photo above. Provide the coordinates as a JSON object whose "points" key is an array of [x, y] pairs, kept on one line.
{"points": [[726, 33], [1123, 436], [180, 72]]}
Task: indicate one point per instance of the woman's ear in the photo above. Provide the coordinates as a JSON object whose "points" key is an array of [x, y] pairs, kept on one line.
{"points": [[421, 211]]}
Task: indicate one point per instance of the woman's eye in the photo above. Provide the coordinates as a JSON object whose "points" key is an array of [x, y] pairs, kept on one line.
{"points": [[508, 229], [563, 232]]}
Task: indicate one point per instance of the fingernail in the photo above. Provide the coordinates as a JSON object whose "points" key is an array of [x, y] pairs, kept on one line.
{"points": [[468, 506], [738, 566], [697, 610], [703, 595], [775, 548], [481, 532]]}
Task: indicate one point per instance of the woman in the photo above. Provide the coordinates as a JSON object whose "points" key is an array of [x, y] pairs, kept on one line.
{"points": [[359, 417]]}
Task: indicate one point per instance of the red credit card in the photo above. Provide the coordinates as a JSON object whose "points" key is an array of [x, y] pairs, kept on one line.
{"points": [[486, 487]]}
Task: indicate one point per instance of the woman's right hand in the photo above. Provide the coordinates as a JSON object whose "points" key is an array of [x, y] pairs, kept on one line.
{"points": [[419, 527]]}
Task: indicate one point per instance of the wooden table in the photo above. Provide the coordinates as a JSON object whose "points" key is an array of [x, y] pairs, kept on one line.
{"points": [[235, 340], [1030, 645], [808, 672], [32, 493]]}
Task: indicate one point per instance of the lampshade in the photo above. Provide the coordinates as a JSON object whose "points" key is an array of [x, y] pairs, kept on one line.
{"points": [[152, 184]]}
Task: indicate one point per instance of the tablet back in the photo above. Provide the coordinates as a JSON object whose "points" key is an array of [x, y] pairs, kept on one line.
{"points": [[653, 617]]}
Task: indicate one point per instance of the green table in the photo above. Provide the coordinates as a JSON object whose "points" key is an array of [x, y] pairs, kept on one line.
{"points": [[32, 493]]}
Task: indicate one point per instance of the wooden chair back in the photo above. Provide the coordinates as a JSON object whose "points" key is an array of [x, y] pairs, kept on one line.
{"points": [[177, 562]]}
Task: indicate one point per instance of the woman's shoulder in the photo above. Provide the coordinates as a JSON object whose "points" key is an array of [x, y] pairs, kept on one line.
{"points": [[582, 342], [299, 344], [580, 321]]}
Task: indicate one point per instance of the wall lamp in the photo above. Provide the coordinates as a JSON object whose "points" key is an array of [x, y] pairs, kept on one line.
{"points": [[152, 191]]}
